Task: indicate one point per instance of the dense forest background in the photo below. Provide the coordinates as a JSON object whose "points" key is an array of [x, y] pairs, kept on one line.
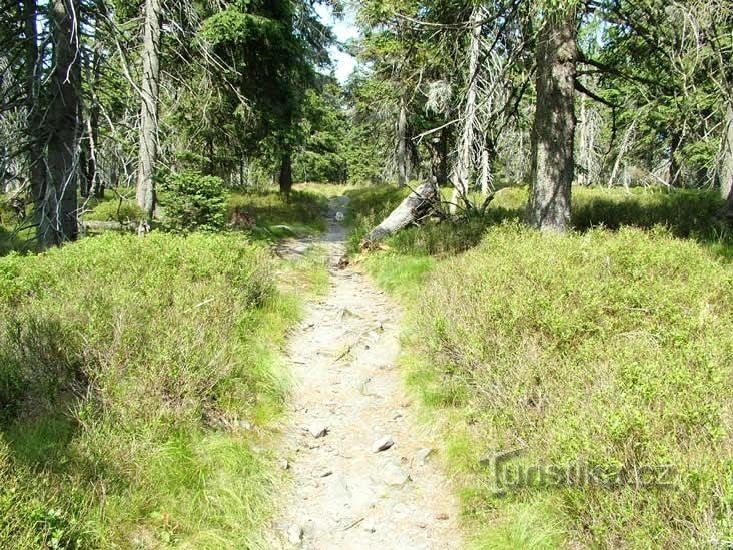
{"points": [[114, 96]]}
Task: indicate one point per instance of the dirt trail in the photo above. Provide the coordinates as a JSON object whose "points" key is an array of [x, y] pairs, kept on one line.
{"points": [[342, 493]]}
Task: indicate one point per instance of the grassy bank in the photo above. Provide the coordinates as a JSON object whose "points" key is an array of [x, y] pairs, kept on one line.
{"points": [[137, 380], [600, 351], [269, 215]]}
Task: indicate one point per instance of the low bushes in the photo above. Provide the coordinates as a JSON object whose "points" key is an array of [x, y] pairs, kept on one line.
{"points": [[604, 351], [130, 371], [603, 358]]}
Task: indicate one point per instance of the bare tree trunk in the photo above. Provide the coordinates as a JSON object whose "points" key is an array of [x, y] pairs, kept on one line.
{"points": [[554, 126], [95, 182], [443, 152], [32, 84], [96, 187], [622, 150], [84, 155], [462, 170], [485, 171], [403, 161], [148, 146], [675, 170], [210, 167], [583, 153], [58, 219], [438, 146], [726, 182], [285, 179], [414, 208]]}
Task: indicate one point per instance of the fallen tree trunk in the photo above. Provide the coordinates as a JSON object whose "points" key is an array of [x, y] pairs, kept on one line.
{"points": [[95, 226], [416, 206]]}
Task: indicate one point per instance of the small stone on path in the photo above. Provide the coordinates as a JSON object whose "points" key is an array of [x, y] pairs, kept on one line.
{"points": [[394, 475], [422, 456], [295, 534], [383, 444], [369, 526], [318, 430]]}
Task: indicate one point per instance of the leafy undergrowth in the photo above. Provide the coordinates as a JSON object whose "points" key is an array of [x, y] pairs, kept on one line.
{"points": [[604, 358], [137, 377]]}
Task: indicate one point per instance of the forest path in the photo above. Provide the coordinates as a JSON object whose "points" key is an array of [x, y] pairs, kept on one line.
{"points": [[342, 493]]}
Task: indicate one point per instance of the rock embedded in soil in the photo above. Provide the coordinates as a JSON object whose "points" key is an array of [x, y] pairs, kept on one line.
{"points": [[295, 534], [422, 456], [395, 475], [318, 430], [383, 444]]}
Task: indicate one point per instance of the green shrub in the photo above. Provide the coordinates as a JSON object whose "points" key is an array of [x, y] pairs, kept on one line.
{"points": [[125, 211], [611, 350], [123, 361], [193, 201]]}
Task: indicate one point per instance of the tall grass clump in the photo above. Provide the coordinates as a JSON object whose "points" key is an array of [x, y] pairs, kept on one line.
{"points": [[133, 375], [609, 351]]}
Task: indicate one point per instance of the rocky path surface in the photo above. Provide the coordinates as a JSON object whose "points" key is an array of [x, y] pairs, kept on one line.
{"points": [[363, 471]]}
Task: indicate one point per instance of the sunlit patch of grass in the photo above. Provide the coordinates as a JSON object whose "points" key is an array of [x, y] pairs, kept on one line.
{"points": [[198, 491], [327, 190], [137, 379], [605, 347], [42, 440], [399, 273]]}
